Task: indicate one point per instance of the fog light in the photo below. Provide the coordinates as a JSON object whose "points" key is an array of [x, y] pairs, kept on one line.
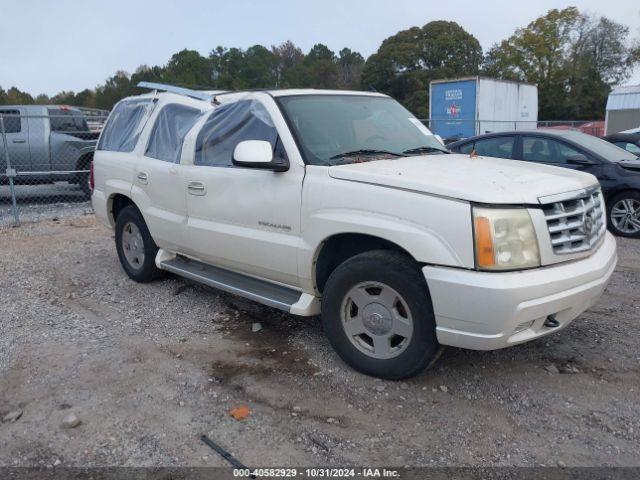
{"points": [[523, 326]]}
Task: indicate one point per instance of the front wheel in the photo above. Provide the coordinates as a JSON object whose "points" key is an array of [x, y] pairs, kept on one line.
{"points": [[377, 314], [624, 214]]}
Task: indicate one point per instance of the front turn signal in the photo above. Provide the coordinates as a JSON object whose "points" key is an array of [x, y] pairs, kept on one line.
{"points": [[484, 243]]}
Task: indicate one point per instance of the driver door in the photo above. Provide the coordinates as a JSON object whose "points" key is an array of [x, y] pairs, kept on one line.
{"points": [[244, 219]]}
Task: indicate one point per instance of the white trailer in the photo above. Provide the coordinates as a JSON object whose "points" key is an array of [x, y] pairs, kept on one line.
{"points": [[470, 106]]}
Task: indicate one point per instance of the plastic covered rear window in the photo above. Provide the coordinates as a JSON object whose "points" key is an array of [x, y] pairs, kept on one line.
{"points": [[125, 124], [172, 124], [229, 125]]}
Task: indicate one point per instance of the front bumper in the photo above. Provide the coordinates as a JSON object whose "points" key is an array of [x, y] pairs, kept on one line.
{"points": [[490, 310]]}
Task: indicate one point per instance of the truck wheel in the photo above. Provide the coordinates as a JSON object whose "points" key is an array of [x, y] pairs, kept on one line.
{"points": [[136, 249], [624, 214], [84, 185], [377, 314], [83, 180]]}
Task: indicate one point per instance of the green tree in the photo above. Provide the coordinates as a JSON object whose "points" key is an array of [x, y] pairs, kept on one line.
{"points": [[114, 89], [574, 59], [226, 63], [259, 68], [288, 56], [351, 64], [318, 69], [188, 68], [17, 97], [405, 63]]}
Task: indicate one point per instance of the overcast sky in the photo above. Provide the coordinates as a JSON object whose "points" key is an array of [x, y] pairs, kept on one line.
{"points": [[48, 46]]}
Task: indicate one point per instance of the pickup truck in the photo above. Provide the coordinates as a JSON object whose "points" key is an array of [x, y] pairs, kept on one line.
{"points": [[46, 143], [344, 205]]}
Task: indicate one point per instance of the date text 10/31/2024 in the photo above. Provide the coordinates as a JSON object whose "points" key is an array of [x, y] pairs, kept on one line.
{"points": [[317, 472]]}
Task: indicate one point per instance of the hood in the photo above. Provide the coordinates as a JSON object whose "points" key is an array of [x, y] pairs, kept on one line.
{"points": [[478, 179]]}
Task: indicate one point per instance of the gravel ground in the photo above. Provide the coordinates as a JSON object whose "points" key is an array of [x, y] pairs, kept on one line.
{"points": [[149, 368], [42, 202]]}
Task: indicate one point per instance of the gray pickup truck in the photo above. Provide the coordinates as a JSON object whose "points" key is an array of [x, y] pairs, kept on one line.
{"points": [[45, 144]]}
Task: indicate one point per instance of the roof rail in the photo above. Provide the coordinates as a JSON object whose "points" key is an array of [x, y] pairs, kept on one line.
{"points": [[207, 96]]}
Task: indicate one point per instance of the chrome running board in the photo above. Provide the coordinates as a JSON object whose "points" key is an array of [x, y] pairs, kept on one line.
{"points": [[273, 295]]}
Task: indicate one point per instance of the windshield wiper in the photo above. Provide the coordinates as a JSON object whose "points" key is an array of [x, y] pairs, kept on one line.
{"points": [[425, 149], [365, 151]]}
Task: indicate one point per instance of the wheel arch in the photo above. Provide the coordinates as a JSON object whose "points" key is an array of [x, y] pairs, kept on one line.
{"points": [[339, 247], [116, 203], [618, 192]]}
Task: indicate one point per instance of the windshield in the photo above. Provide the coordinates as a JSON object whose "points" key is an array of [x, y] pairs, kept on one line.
{"points": [[338, 129], [607, 150]]}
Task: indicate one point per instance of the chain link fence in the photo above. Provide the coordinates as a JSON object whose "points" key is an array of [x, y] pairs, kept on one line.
{"points": [[453, 129], [45, 157]]}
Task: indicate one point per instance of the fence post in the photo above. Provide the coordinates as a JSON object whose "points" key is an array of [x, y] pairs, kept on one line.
{"points": [[11, 173]]}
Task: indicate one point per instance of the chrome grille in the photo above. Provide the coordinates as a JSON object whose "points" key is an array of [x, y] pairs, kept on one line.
{"points": [[576, 224]]}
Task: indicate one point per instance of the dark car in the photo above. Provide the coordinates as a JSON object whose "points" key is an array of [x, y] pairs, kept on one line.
{"points": [[617, 170], [629, 141]]}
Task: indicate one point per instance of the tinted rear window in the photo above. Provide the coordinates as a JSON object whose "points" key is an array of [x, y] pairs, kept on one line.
{"points": [[172, 124], [64, 120], [124, 125]]}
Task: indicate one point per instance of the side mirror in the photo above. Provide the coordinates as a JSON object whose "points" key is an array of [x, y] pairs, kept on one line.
{"points": [[579, 159], [258, 154]]}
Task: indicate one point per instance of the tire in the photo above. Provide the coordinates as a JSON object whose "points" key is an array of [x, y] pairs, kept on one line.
{"points": [[380, 275], [83, 180], [623, 213], [136, 249]]}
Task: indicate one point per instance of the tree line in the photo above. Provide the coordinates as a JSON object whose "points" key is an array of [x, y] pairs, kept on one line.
{"points": [[573, 57]]}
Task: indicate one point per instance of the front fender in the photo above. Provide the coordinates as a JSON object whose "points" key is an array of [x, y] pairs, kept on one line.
{"points": [[433, 230]]}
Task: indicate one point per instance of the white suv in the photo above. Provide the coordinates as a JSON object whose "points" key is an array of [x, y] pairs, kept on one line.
{"points": [[344, 204]]}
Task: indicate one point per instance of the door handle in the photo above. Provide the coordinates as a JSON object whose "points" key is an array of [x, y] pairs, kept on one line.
{"points": [[19, 140], [143, 177], [196, 188]]}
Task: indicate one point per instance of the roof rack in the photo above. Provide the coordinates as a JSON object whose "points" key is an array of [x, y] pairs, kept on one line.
{"points": [[206, 96]]}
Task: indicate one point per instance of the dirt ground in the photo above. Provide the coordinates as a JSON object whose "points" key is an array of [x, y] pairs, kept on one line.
{"points": [[149, 368]]}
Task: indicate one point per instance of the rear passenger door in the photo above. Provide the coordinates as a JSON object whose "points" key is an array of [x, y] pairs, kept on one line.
{"points": [[17, 133], [159, 189]]}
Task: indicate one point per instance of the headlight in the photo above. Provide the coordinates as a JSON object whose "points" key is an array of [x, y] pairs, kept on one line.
{"points": [[505, 239]]}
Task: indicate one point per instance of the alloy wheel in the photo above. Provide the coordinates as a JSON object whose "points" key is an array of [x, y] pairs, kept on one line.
{"points": [[625, 215], [377, 320], [133, 245]]}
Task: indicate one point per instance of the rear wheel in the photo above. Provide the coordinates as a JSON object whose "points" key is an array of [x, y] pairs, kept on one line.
{"points": [[624, 214], [136, 249], [377, 314]]}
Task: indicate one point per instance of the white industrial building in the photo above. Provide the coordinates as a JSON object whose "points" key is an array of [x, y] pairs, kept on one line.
{"points": [[623, 109]]}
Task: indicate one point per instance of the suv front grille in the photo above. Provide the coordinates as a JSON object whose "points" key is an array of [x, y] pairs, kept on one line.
{"points": [[577, 224]]}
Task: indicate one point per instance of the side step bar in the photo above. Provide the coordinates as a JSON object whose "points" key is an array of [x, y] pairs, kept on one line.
{"points": [[267, 293]]}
